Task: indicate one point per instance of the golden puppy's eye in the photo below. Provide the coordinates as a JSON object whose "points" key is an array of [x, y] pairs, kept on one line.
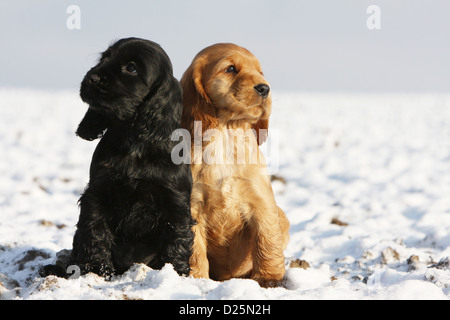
{"points": [[231, 69], [130, 67]]}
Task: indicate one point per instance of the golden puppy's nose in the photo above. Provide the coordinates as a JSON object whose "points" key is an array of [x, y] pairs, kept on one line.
{"points": [[262, 89]]}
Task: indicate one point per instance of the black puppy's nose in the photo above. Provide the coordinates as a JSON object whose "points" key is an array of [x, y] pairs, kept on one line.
{"points": [[262, 89], [94, 78]]}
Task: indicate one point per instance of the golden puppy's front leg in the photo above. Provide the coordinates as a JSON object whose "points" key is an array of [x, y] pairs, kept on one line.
{"points": [[199, 260], [268, 256], [284, 227]]}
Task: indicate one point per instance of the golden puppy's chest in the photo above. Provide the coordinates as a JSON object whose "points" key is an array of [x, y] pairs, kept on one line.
{"points": [[224, 196], [225, 209]]}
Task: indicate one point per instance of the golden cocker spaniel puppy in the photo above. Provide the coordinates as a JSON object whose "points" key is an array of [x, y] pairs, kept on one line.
{"points": [[240, 230]]}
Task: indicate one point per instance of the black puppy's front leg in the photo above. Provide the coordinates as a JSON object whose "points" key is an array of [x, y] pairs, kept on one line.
{"points": [[92, 126], [177, 234], [93, 239], [178, 239]]}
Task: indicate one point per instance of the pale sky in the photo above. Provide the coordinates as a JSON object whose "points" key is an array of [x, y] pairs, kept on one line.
{"points": [[315, 45]]}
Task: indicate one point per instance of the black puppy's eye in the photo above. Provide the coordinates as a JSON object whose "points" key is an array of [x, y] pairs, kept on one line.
{"points": [[231, 69], [131, 68]]}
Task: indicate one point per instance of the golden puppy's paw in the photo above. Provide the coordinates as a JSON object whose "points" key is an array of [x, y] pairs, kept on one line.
{"points": [[199, 273], [268, 281]]}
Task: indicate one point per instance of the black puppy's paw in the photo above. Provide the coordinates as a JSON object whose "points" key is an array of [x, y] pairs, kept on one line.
{"points": [[182, 268], [102, 269], [53, 270]]}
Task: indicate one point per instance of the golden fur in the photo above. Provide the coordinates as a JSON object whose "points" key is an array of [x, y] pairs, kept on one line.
{"points": [[240, 231]]}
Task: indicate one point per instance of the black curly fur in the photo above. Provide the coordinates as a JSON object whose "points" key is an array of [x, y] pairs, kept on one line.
{"points": [[136, 207]]}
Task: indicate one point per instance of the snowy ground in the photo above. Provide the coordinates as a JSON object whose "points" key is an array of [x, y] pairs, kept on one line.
{"points": [[364, 180]]}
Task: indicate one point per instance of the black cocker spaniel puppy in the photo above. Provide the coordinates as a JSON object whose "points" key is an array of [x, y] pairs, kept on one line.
{"points": [[136, 207]]}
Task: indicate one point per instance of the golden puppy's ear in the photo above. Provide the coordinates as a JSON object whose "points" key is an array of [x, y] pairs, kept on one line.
{"points": [[197, 105], [197, 77], [261, 128]]}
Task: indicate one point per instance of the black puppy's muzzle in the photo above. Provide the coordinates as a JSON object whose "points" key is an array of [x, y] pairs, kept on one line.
{"points": [[96, 79], [95, 83]]}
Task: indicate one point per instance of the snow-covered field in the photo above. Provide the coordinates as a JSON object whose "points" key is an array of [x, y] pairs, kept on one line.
{"points": [[364, 180]]}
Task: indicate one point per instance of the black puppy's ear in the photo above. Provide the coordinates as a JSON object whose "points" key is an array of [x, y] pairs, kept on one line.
{"points": [[92, 126]]}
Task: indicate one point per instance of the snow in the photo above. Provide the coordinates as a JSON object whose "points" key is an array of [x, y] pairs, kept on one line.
{"points": [[377, 165]]}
